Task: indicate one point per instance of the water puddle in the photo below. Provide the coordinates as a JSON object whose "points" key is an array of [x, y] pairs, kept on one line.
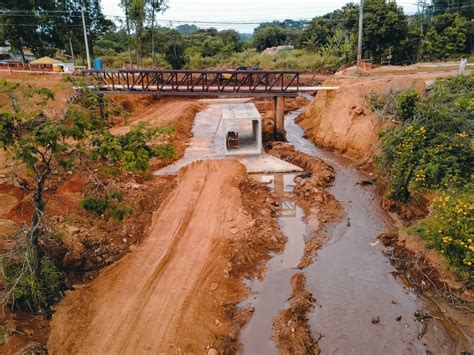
{"points": [[269, 295]]}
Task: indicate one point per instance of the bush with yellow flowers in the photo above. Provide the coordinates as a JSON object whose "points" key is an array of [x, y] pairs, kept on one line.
{"points": [[434, 148], [431, 151], [450, 228]]}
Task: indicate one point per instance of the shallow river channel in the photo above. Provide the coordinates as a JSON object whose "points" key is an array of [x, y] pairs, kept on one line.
{"points": [[351, 279]]}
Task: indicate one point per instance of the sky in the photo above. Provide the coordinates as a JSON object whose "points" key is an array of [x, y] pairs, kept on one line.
{"points": [[241, 15]]}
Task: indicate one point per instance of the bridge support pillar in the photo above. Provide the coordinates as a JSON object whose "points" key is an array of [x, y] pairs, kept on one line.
{"points": [[279, 117]]}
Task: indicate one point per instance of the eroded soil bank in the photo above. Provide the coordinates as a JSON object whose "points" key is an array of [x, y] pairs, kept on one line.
{"points": [[343, 120]]}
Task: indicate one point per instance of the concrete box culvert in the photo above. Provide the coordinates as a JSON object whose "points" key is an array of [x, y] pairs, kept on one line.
{"points": [[242, 125]]}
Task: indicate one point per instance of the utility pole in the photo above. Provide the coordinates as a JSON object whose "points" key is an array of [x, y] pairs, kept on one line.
{"points": [[85, 37], [361, 27], [72, 50]]}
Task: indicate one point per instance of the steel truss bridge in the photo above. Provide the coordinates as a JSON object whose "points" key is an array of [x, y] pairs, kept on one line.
{"points": [[198, 82]]}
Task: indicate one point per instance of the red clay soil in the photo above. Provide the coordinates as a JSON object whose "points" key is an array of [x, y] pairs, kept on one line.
{"points": [[87, 243], [62, 91], [291, 329], [173, 293]]}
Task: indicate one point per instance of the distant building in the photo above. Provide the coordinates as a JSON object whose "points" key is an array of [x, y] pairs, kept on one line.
{"points": [[276, 50], [9, 56]]}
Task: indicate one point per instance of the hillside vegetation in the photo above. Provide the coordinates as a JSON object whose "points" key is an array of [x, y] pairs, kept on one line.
{"points": [[431, 153]]}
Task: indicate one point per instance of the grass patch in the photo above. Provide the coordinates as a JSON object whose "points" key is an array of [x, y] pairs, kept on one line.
{"points": [[23, 287], [110, 202]]}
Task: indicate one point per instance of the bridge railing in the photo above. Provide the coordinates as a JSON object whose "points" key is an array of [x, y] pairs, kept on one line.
{"points": [[197, 82]]}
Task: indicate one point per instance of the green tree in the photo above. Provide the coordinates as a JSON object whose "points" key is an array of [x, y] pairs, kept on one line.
{"points": [[155, 6], [269, 37], [20, 24], [125, 5], [47, 25], [449, 35], [463, 7], [232, 40], [42, 144], [137, 15], [385, 26], [174, 48], [316, 34]]}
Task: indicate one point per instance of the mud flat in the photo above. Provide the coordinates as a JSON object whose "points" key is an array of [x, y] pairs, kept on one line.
{"points": [[336, 292]]}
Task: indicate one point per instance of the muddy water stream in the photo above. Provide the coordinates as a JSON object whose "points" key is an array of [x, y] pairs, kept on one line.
{"points": [[361, 307], [270, 294], [352, 280]]}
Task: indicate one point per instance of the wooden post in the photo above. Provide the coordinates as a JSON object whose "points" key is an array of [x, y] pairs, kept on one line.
{"points": [[279, 117]]}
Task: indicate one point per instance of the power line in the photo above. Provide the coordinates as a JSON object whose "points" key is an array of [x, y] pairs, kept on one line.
{"points": [[163, 21]]}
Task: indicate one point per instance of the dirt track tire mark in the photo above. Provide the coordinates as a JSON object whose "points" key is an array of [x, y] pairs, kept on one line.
{"points": [[154, 299]]}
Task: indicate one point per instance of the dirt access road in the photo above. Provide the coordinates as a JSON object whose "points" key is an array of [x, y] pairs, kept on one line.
{"points": [[157, 298]]}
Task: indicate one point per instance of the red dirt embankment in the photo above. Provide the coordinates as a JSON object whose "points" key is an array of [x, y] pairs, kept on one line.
{"points": [[343, 121], [174, 293]]}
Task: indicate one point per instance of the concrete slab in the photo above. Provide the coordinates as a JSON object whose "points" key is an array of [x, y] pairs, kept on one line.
{"points": [[267, 164], [208, 143], [244, 119]]}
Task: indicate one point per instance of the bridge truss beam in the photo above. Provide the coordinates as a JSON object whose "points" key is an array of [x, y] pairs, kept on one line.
{"points": [[196, 82]]}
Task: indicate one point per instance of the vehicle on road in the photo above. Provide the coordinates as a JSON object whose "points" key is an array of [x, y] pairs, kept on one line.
{"points": [[231, 77]]}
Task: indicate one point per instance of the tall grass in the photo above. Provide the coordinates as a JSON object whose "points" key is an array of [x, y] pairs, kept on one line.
{"points": [[295, 59], [301, 60]]}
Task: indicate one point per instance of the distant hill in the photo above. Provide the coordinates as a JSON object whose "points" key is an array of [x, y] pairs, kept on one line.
{"points": [[187, 29]]}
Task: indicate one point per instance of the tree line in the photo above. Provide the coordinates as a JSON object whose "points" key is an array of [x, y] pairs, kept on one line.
{"points": [[440, 30]]}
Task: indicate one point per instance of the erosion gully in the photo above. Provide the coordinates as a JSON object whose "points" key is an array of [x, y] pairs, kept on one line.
{"points": [[361, 307]]}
